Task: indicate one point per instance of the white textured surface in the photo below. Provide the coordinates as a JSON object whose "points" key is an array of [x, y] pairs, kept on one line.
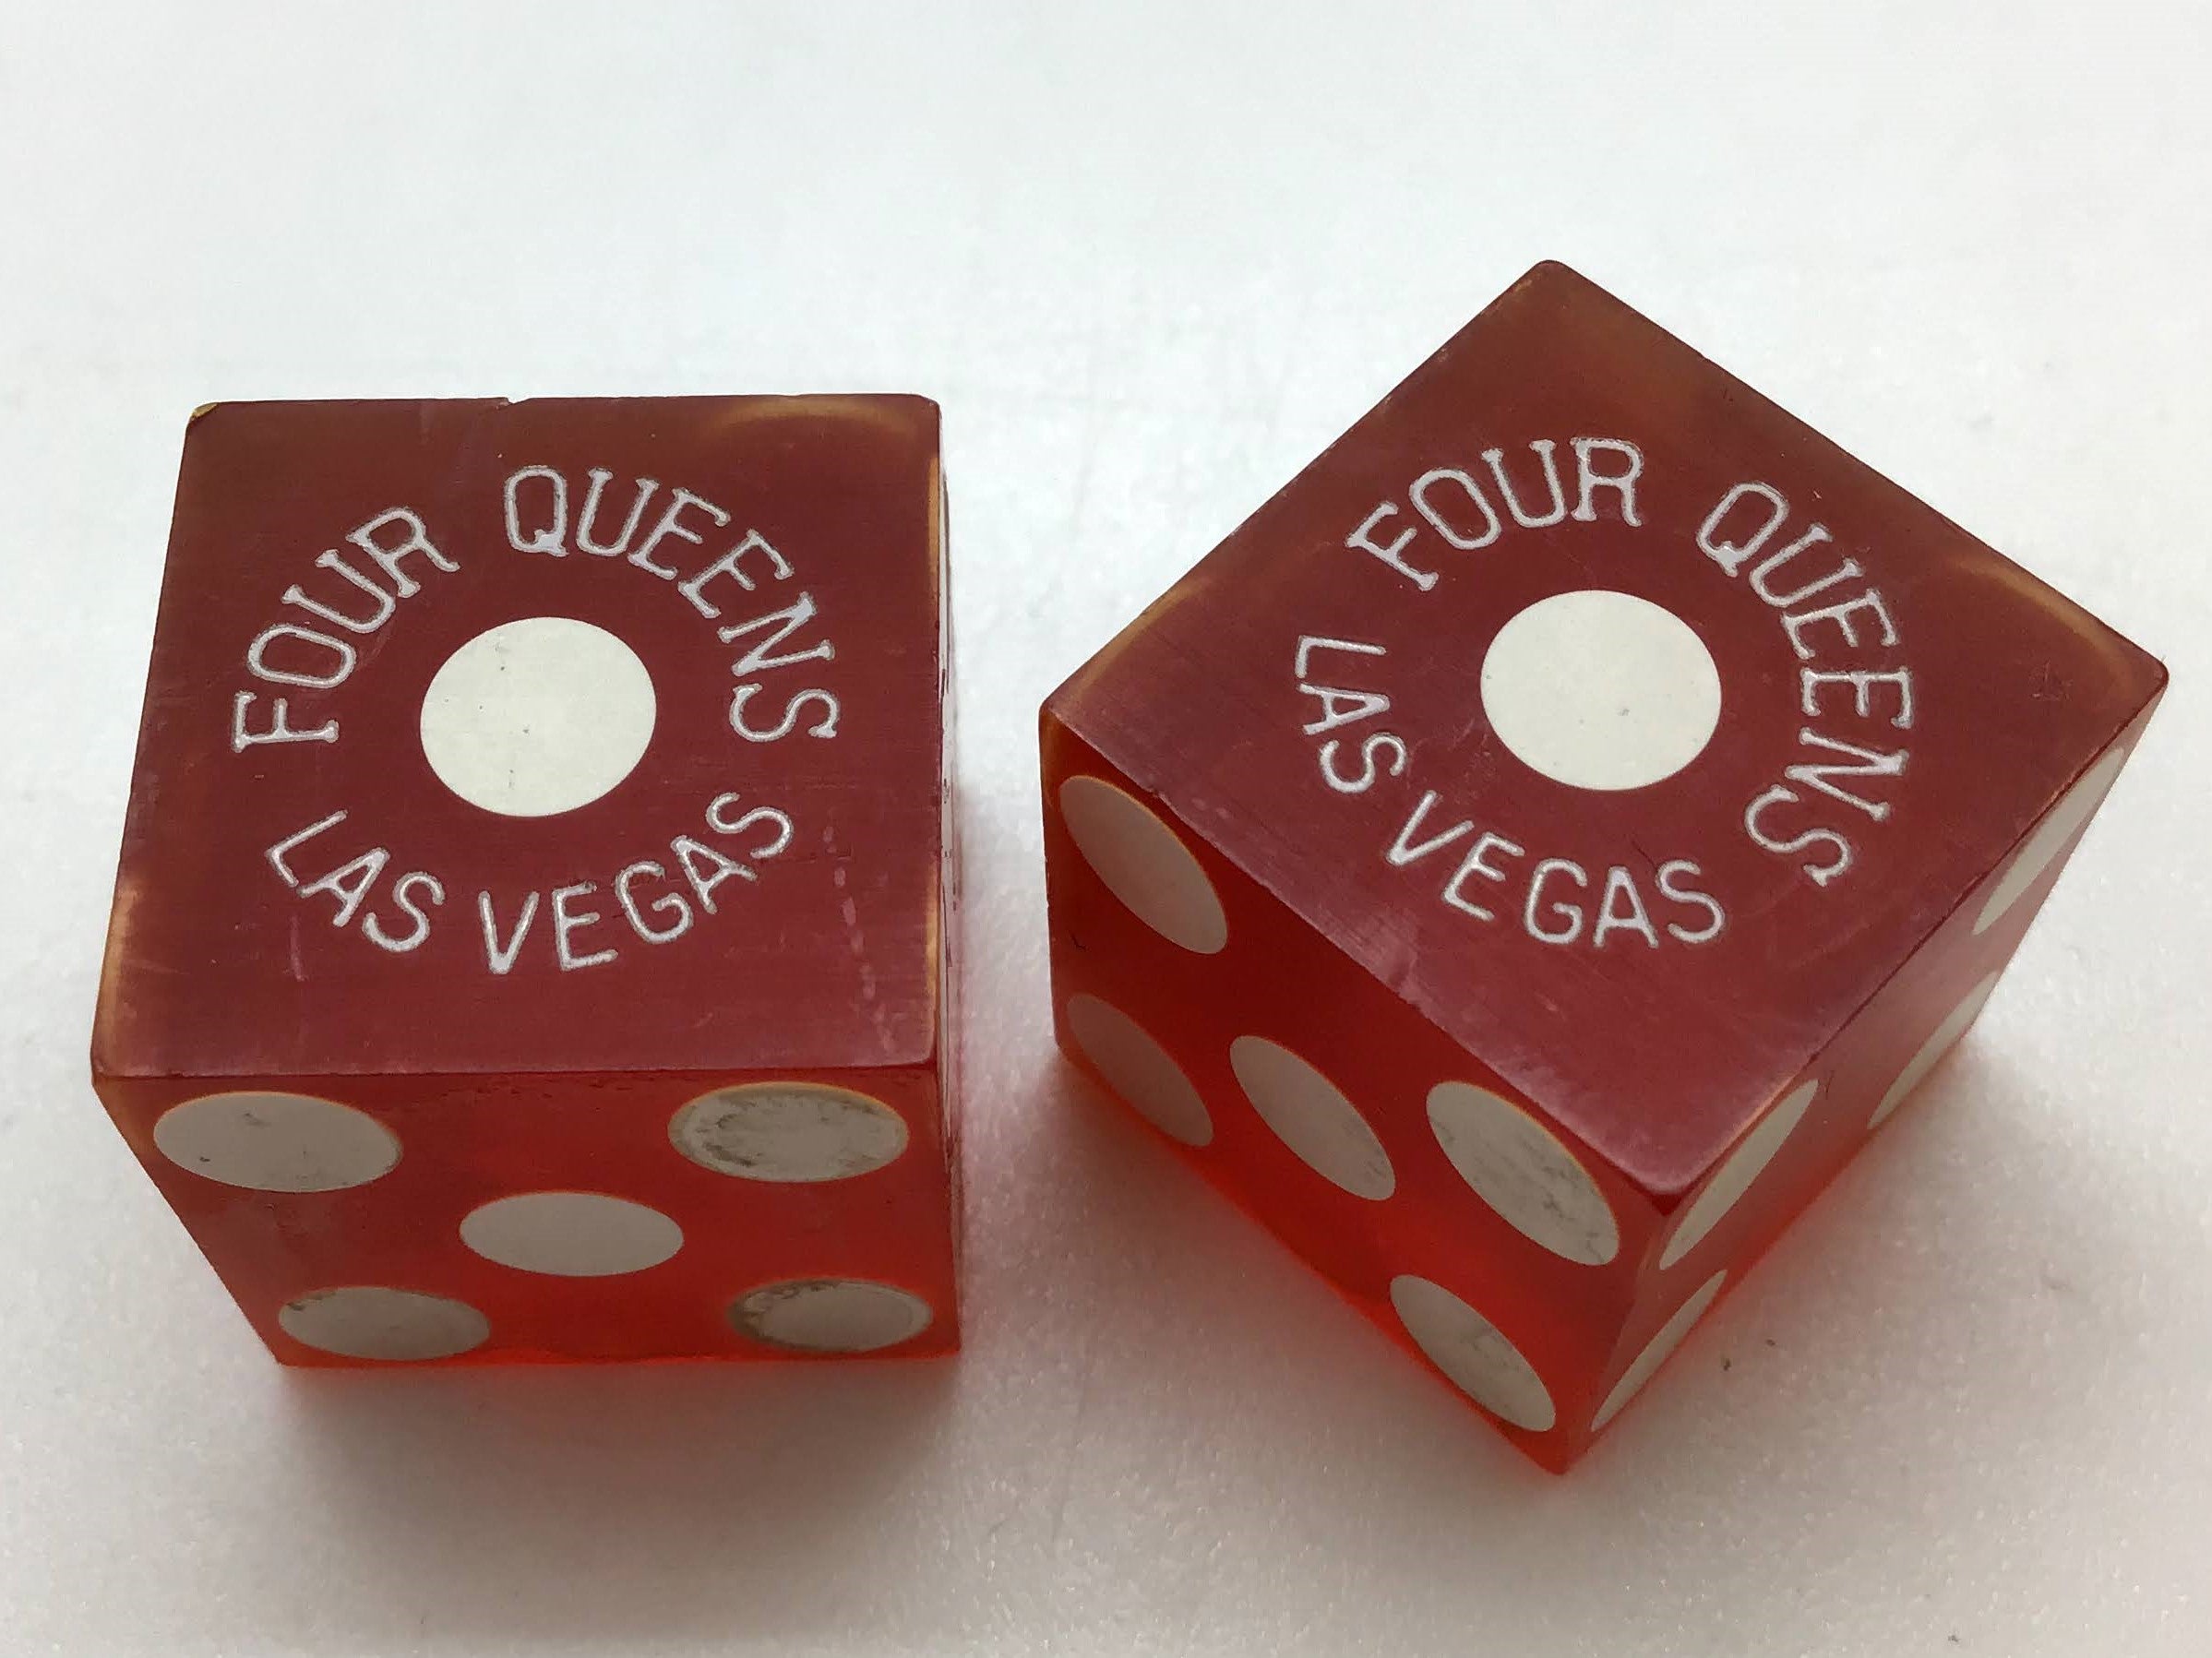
{"points": [[1518, 1167], [275, 1142], [1658, 1349], [2050, 838], [1310, 1115], [1144, 864], [1722, 1190], [830, 1315], [1473, 1353], [571, 1235], [375, 1322], [1600, 689], [1150, 259], [1142, 1072], [538, 715], [788, 1132]]}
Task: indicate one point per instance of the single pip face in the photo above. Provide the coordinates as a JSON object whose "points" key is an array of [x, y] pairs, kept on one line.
{"points": [[529, 936], [1526, 858]]}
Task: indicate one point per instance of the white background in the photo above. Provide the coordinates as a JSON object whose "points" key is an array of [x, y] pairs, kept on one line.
{"points": [[1151, 259]]}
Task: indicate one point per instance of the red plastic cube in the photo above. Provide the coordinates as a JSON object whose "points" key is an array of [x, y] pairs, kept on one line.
{"points": [[530, 934], [1523, 862]]}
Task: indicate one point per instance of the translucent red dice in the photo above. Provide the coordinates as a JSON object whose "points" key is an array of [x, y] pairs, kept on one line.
{"points": [[530, 932], [1525, 861]]}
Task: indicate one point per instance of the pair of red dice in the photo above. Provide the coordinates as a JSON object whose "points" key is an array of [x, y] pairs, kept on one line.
{"points": [[1520, 866]]}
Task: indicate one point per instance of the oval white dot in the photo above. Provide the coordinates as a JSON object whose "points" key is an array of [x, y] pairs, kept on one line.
{"points": [[1520, 1169], [538, 715], [1600, 689], [1470, 1350], [2049, 838], [830, 1315], [1144, 864], [276, 1142], [1735, 1176], [571, 1235], [1310, 1115], [788, 1132], [1656, 1350], [370, 1321], [1138, 1069], [1941, 1041]]}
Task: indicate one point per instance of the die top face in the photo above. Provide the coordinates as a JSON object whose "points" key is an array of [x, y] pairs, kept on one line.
{"points": [[1634, 732], [559, 735]]}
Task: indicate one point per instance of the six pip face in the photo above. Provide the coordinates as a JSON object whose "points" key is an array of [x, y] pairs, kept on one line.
{"points": [[1519, 865], [1523, 861], [529, 939]]}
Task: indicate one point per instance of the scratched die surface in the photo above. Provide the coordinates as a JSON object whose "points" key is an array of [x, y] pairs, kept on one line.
{"points": [[531, 930], [1522, 862]]}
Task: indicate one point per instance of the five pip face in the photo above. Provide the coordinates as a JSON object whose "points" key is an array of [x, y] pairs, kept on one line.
{"points": [[1518, 866]]}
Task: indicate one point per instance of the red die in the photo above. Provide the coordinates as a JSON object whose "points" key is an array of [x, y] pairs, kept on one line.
{"points": [[530, 938], [1522, 863]]}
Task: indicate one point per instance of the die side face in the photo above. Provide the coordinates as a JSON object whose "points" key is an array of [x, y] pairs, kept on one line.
{"points": [[601, 1218], [1523, 818], [566, 1218], [529, 934], [1300, 1085]]}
